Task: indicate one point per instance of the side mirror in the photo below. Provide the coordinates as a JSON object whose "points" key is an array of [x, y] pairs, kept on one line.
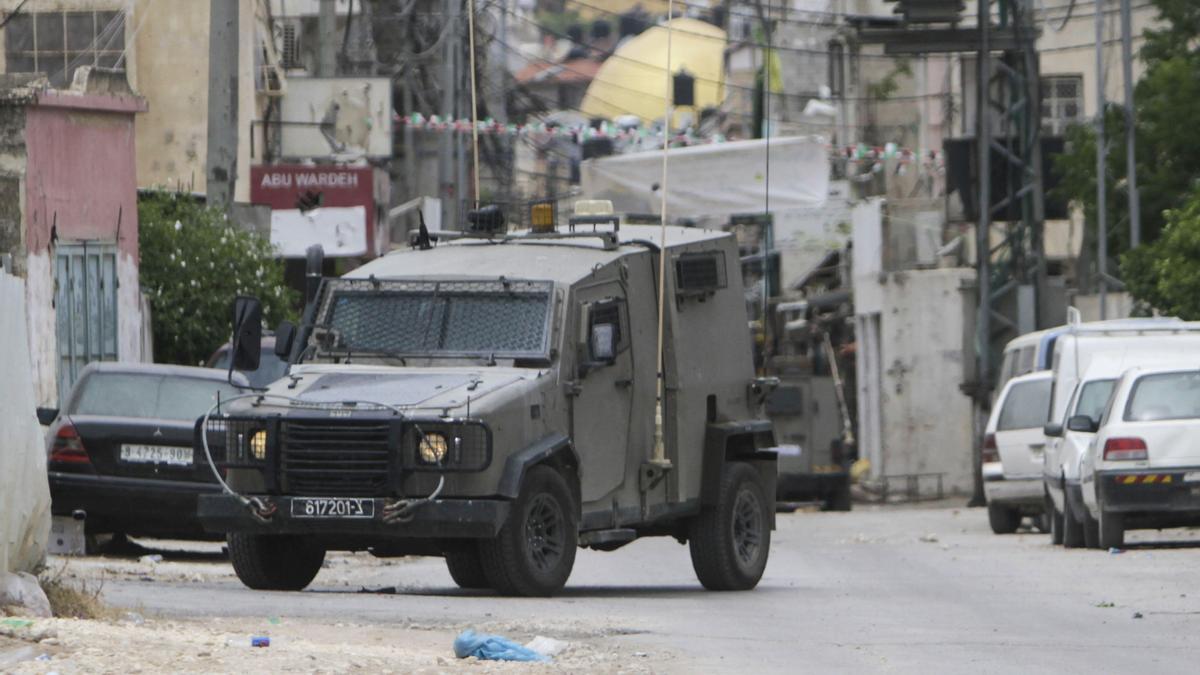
{"points": [[1053, 430], [285, 337], [1082, 423], [247, 334], [602, 345], [46, 416]]}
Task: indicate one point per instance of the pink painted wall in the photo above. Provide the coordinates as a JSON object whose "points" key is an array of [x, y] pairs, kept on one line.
{"points": [[82, 168]]}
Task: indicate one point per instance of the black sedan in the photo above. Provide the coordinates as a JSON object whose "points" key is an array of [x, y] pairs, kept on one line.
{"points": [[120, 451]]}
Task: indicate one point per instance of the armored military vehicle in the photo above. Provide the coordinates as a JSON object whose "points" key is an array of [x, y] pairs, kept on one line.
{"points": [[491, 399]]}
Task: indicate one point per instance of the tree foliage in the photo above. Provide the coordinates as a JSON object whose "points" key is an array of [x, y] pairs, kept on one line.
{"points": [[193, 264], [1166, 105], [1166, 273]]}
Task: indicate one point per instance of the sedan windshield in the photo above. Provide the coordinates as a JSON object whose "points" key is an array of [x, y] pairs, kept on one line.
{"points": [[462, 318], [155, 396], [1164, 396]]}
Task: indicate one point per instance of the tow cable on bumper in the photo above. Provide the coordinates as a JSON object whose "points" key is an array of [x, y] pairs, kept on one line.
{"points": [[263, 510]]}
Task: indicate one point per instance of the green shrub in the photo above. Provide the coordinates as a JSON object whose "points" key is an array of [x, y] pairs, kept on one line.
{"points": [[194, 262]]}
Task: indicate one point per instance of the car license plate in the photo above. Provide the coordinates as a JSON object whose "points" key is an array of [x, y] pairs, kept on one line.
{"points": [[156, 454], [332, 507]]}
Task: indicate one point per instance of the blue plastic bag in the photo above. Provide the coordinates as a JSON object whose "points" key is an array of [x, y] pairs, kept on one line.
{"points": [[492, 648]]}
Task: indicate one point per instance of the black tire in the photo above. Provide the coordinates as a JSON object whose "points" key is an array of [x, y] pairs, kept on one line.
{"points": [[1111, 529], [730, 541], [839, 497], [274, 562], [1072, 528], [1003, 520], [1056, 522], [1091, 531], [535, 550], [466, 566]]}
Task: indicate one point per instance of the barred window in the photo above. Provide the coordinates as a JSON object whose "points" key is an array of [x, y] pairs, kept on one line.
{"points": [[56, 43], [1062, 103]]}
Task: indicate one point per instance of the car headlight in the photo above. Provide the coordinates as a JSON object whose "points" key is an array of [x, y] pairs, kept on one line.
{"points": [[433, 448], [258, 445]]}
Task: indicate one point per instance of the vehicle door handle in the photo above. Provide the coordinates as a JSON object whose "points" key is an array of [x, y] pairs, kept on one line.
{"points": [[1037, 445]]}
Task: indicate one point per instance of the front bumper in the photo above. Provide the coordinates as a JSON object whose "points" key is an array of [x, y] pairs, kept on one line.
{"points": [[138, 506], [439, 519], [1149, 491], [1024, 491]]}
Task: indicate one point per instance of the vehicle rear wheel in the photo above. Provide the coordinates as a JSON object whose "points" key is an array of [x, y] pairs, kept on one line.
{"points": [[1091, 531], [1002, 519], [1072, 528], [839, 497], [730, 541], [1111, 529], [466, 566], [535, 550], [274, 562], [1056, 522]]}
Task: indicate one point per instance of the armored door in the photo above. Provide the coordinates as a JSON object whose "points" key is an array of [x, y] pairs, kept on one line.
{"points": [[602, 404]]}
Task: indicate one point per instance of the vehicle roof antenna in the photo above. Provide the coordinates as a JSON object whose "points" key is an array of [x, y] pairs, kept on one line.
{"points": [[423, 233]]}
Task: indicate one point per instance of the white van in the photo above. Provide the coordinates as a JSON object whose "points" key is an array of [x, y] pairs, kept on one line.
{"points": [[1028, 353]]}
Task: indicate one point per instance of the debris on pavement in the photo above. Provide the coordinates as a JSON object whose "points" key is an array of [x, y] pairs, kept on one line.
{"points": [[547, 646], [252, 641], [1105, 604], [1115, 551], [493, 648], [929, 538]]}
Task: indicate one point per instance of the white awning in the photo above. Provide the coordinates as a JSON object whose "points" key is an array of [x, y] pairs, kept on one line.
{"points": [[341, 231]]}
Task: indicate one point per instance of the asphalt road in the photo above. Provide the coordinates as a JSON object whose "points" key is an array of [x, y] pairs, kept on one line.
{"points": [[899, 589]]}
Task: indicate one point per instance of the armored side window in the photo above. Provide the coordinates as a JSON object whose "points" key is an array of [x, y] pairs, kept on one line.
{"points": [[610, 312], [700, 273]]}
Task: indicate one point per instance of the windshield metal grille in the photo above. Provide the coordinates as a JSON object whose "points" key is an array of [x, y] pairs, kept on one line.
{"points": [[451, 318]]}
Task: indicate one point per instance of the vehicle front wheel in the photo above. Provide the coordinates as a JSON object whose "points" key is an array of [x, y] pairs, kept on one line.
{"points": [[730, 541], [1003, 520], [1056, 522], [466, 566], [274, 562], [1112, 529], [535, 550]]}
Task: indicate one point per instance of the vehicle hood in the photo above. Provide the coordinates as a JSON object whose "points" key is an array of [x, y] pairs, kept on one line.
{"points": [[440, 389]]}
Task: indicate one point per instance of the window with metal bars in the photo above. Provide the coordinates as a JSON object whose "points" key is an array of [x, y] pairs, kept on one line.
{"points": [[56, 43], [1062, 103]]}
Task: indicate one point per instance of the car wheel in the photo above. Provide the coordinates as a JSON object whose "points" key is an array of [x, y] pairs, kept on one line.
{"points": [[1056, 522], [1091, 531], [466, 566], [274, 562], [839, 497], [731, 540], [1072, 529], [535, 550], [1111, 529], [1003, 520]]}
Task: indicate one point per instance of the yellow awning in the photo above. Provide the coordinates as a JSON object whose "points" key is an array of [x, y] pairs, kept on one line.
{"points": [[633, 80]]}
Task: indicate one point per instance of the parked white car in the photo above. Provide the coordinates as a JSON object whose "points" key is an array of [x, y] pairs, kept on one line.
{"points": [[1142, 470], [1065, 447], [1012, 452]]}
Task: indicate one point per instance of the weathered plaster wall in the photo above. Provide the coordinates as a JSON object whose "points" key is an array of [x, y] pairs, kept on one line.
{"points": [[169, 68]]}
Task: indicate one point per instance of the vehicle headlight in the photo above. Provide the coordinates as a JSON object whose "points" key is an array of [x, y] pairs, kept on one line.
{"points": [[258, 445], [433, 448]]}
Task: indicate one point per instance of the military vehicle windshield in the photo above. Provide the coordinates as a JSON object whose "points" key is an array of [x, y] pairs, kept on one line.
{"points": [[506, 319]]}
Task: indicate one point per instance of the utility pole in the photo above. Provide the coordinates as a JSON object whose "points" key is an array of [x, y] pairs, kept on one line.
{"points": [[446, 146], [327, 50], [222, 103], [983, 247], [1101, 173], [1135, 213]]}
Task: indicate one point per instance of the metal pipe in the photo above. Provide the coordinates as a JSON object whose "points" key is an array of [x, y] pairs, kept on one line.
{"points": [[1135, 214], [983, 336], [1101, 173]]}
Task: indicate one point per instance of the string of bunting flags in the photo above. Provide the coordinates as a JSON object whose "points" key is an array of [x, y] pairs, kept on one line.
{"points": [[859, 153]]}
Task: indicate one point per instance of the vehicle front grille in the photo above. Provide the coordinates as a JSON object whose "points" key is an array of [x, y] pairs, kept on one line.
{"points": [[335, 459]]}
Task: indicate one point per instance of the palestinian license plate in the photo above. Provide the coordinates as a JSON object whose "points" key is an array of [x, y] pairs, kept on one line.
{"points": [[332, 507], [156, 454]]}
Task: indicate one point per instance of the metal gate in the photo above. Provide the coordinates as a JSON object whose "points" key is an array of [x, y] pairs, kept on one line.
{"points": [[85, 307]]}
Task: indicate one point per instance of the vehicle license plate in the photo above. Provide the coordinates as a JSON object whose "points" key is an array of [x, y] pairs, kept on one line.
{"points": [[156, 454], [332, 507]]}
